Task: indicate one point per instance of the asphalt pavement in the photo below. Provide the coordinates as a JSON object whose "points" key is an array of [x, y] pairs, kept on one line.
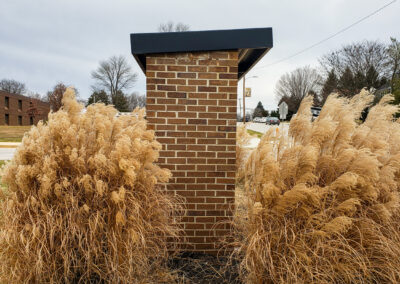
{"points": [[6, 153], [262, 127]]}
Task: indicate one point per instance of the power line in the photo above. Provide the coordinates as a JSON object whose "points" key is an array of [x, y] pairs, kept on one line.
{"points": [[328, 38]]}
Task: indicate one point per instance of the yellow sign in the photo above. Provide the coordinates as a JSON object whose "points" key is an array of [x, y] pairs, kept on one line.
{"points": [[248, 93]]}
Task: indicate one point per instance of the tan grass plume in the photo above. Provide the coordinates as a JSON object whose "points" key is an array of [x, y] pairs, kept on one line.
{"points": [[83, 203], [325, 200]]}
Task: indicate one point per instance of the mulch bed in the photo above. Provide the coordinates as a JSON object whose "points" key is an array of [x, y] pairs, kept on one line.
{"points": [[203, 268]]}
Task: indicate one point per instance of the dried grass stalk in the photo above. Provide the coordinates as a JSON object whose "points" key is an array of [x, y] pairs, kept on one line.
{"points": [[83, 203], [242, 152], [325, 200]]}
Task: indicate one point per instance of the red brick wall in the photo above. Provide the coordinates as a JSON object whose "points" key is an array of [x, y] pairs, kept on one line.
{"points": [[14, 111], [191, 105]]}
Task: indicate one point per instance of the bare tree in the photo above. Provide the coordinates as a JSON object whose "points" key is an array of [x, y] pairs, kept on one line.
{"points": [[294, 86], [136, 100], [358, 57], [54, 97], [36, 96], [114, 75], [171, 27], [12, 86]]}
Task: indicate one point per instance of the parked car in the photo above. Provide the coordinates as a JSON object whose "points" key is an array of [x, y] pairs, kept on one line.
{"points": [[273, 121], [260, 119]]}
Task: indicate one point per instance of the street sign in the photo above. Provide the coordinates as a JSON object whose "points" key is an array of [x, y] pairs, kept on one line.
{"points": [[283, 110], [248, 93]]}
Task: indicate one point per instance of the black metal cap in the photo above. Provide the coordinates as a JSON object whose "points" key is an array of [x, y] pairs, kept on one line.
{"points": [[252, 44]]}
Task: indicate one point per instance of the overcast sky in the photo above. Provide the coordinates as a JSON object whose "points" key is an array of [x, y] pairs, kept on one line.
{"points": [[43, 42]]}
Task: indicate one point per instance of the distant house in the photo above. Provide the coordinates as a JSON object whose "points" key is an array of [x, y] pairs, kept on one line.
{"points": [[384, 90], [20, 110]]}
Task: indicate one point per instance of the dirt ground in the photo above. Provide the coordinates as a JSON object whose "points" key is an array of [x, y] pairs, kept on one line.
{"points": [[201, 268]]}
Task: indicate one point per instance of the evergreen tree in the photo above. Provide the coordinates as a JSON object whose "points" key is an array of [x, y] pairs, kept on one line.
{"points": [[275, 113], [121, 102], [259, 111], [396, 91], [372, 78], [330, 85], [360, 81], [383, 81], [346, 83], [98, 97]]}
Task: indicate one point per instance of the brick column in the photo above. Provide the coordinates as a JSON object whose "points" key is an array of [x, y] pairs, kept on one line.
{"points": [[191, 105]]}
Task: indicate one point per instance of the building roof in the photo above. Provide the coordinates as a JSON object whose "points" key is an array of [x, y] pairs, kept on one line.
{"points": [[25, 98], [252, 44]]}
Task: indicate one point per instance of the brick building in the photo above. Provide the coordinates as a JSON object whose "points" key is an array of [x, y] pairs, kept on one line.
{"points": [[191, 105], [20, 110]]}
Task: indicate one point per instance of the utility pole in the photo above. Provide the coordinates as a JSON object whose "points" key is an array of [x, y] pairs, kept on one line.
{"points": [[244, 98], [240, 105]]}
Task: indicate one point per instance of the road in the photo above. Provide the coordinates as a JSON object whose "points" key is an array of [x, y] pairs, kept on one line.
{"points": [[6, 153], [263, 128]]}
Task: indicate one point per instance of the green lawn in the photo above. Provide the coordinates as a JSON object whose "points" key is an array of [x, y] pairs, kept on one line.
{"points": [[254, 133], [12, 133]]}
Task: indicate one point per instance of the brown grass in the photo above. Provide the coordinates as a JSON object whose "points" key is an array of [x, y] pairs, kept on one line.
{"points": [[83, 203], [12, 133], [324, 202], [242, 153]]}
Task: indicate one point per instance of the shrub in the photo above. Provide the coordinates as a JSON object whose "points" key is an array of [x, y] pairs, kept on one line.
{"points": [[83, 203], [325, 199]]}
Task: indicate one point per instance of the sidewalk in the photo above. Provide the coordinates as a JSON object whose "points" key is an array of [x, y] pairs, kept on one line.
{"points": [[9, 144]]}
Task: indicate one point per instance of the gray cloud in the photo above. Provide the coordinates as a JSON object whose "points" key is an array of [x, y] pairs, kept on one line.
{"points": [[43, 41]]}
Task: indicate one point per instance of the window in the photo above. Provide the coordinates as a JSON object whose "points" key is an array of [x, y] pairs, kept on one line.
{"points": [[19, 120], [7, 102], [31, 120], [19, 104], [7, 119]]}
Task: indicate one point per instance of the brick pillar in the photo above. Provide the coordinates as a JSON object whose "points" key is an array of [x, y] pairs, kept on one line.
{"points": [[191, 105]]}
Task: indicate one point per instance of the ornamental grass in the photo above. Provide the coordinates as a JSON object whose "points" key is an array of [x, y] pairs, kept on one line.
{"points": [[324, 200], [83, 203]]}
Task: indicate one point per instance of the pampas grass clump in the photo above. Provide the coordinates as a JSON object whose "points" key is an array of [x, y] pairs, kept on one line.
{"points": [[242, 152], [83, 204], [325, 200]]}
